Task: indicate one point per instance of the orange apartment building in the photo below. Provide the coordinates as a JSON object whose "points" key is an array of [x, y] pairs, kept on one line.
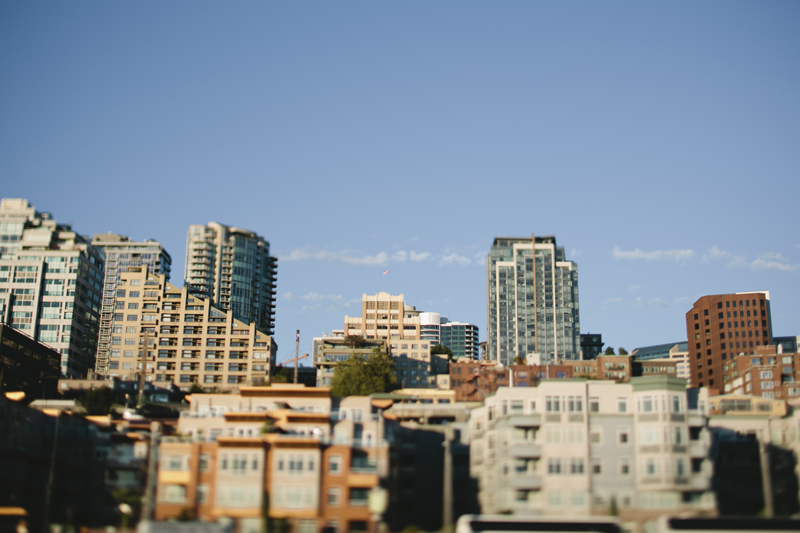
{"points": [[291, 454]]}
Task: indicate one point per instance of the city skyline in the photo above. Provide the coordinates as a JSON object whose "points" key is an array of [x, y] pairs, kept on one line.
{"points": [[357, 139]]}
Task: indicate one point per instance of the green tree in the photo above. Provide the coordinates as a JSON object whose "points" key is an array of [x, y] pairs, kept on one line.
{"points": [[362, 376], [196, 389], [612, 507], [622, 351], [518, 360], [282, 375], [98, 402], [609, 351], [441, 349]]}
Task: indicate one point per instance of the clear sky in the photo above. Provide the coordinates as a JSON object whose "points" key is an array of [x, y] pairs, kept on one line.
{"points": [[659, 142]]}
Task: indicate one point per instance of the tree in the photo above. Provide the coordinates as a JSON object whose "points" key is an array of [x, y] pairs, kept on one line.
{"points": [[362, 376], [612, 507], [282, 375], [441, 349], [609, 351], [622, 351], [518, 360], [196, 389], [98, 402]]}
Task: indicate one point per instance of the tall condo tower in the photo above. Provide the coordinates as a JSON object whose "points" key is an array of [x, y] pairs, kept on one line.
{"points": [[121, 254], [532, 300], [232, 268], [51, 284]]}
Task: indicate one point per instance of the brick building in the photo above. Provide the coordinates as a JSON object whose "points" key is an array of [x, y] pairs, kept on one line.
{"points": [[721, 327]]}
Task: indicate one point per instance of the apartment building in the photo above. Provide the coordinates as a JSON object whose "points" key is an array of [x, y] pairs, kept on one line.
{"points": [[460, 337], [384, 316], [474, 381], [120, 254], [51, 284], [532, 300], [722, 326], [231, 267], [329, 350], [767, 372], [573, 447], [306, 458], [189, 340]]}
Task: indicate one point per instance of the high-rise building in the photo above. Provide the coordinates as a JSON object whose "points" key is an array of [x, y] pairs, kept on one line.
{"points": [[532, 293], [232, 268], [51, 282], [121, 253], [189, 340], [461, 338], [591, 345], [719, 327]]}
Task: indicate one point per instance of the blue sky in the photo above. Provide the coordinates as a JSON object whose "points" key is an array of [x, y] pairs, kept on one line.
{"points": [[657, 141]]}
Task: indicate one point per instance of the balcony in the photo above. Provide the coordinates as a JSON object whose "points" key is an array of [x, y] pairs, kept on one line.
{"points": [[525, 450], [526, 482]]}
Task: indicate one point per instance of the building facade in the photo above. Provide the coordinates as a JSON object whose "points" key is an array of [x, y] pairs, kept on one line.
{"points": [[120, 254], [461, 338], [306, 458], [51, 284], [532, 300], [591, 345], [721, 327], [573, 447], [232, 268], [190, 341]]}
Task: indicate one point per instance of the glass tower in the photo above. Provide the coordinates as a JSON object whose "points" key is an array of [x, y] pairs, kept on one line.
{"points": [[532, 300], [232, 268]]}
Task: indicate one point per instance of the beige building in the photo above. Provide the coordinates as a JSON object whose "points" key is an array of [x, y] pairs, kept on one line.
{"points": [[384, 316], [120, 254], [189, 340]]}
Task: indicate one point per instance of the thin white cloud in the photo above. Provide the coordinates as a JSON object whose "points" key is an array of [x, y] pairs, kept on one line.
{"points": [[772, 261], [327, 302], [638, 302], [313, 296], [288, 296], [352, 257], [677, 255], [454, 259], [765, 261], [573, 253], [634, 287], [347, 256]]}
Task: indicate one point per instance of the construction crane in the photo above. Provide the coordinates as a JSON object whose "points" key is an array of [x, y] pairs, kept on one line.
{"points": [[292, 360]]}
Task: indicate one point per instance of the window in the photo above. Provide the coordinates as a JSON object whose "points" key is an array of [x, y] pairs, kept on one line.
{"points": [[624, 467], [335, 465], [623, 436], [334, 496], [594, 405], [576, 466], [554, 466], [622, 405], [203, 462], [574, 404], [202, 494], [597, 466], [174, 494], [553, 404]]}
